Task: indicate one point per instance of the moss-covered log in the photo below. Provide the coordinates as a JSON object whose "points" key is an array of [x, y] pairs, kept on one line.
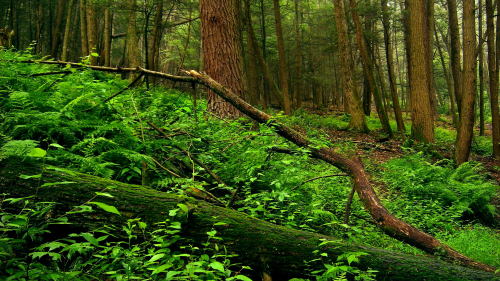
{"points": [[282, 251]]}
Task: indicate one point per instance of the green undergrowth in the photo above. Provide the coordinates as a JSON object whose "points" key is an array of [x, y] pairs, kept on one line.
{"points": [[114, 141]]}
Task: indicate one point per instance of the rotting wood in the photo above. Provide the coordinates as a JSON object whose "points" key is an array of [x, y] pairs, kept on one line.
{"points": [[284, 249], [391, 225]]}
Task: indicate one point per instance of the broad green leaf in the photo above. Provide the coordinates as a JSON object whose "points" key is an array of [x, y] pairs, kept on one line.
{"points": [[161, 269], [104, 194], [25, 177], [56, 145], [37, 152], [183, 207], [242, 277], [90, 238], [38, 254], [156, 257], [106, 207], [350, 259], [217, 266]]}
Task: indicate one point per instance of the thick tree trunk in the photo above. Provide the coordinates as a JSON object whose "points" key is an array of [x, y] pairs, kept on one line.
{"points": [[466, 127], [281, 53], [64, 56], [222, 53], [259, 244], [368, 69], [92, 31], [358, 119], [155, 39], [421, 112], [57, 30]]}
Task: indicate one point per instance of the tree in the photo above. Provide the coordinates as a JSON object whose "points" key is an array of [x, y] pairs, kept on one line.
{"points": [[131, 38], [281, 52], [368, 70], [64, 56], [493, 76], [455, 52], [83, 27], [222, 53], [358, 119], [422, 128]]}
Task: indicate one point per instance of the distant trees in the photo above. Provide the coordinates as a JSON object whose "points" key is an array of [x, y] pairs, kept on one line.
{"points": [[305, 60]]}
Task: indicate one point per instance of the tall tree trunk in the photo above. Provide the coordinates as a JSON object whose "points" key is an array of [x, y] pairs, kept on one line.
{"points": [[421, 112], [358, 119], [57, 30], [281, 52], [368, 69], [298, 83], [83, 27], [455, 52], [466, 128], [64, 56], [390, 67], [131, 37], [481, 71], [493, 56], [107, 37], [39, 27], [155, 38], [430, 31], [92, 31], [222, 54], [449, 83], [253, 74]]}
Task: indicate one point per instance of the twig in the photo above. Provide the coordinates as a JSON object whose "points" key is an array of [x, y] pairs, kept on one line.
{"points": [[50, 73], [167, 170], [137, 112], [233, 197], [348, 206], [55, 82], [317, 178], [194, 159], [212, 196]]}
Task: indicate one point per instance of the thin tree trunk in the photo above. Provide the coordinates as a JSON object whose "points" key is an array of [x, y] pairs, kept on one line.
{"points": [[131, 37], [451, 94], [253, 75], [155, 39], [493, 56], [455, 52], [298, 83], [466, 127], [64, 56], [83, 27], [92, 31], [39, 26], [430, 31], [481, 76], [281, 52], [368, 69], [107, 37], [358, 119], [390, 67]]}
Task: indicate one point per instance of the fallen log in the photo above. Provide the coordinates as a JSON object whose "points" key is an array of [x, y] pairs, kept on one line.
{"points": [[391, 225], [281, 250]]}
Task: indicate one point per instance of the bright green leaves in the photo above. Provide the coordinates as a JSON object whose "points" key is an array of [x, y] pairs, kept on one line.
{"points": [[107, 208]]}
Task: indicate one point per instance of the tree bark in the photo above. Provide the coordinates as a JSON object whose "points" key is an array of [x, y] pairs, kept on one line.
{"points": [[92, 31], [253, 74], [358, 119], [466, 127], [368, 69], [481, 71], [155, 38], [298, 83], [64, 56], [455, 52], [57, 30], [107, 37], [430, 58], [493, 56], [282, 250], [421, 112], [131, 38], [390, 67], [281, 53], [83, 28], [222, 53]]}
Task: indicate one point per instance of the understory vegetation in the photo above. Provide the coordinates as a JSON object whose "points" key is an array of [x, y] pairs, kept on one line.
{"points": [[63, 123]]}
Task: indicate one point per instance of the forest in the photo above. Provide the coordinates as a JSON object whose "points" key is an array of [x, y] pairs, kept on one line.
{"points": [[249, 140]]}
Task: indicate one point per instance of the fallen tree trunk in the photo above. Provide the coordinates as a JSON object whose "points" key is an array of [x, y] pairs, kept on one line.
{"points": [[382, 217], [278, 250]]}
